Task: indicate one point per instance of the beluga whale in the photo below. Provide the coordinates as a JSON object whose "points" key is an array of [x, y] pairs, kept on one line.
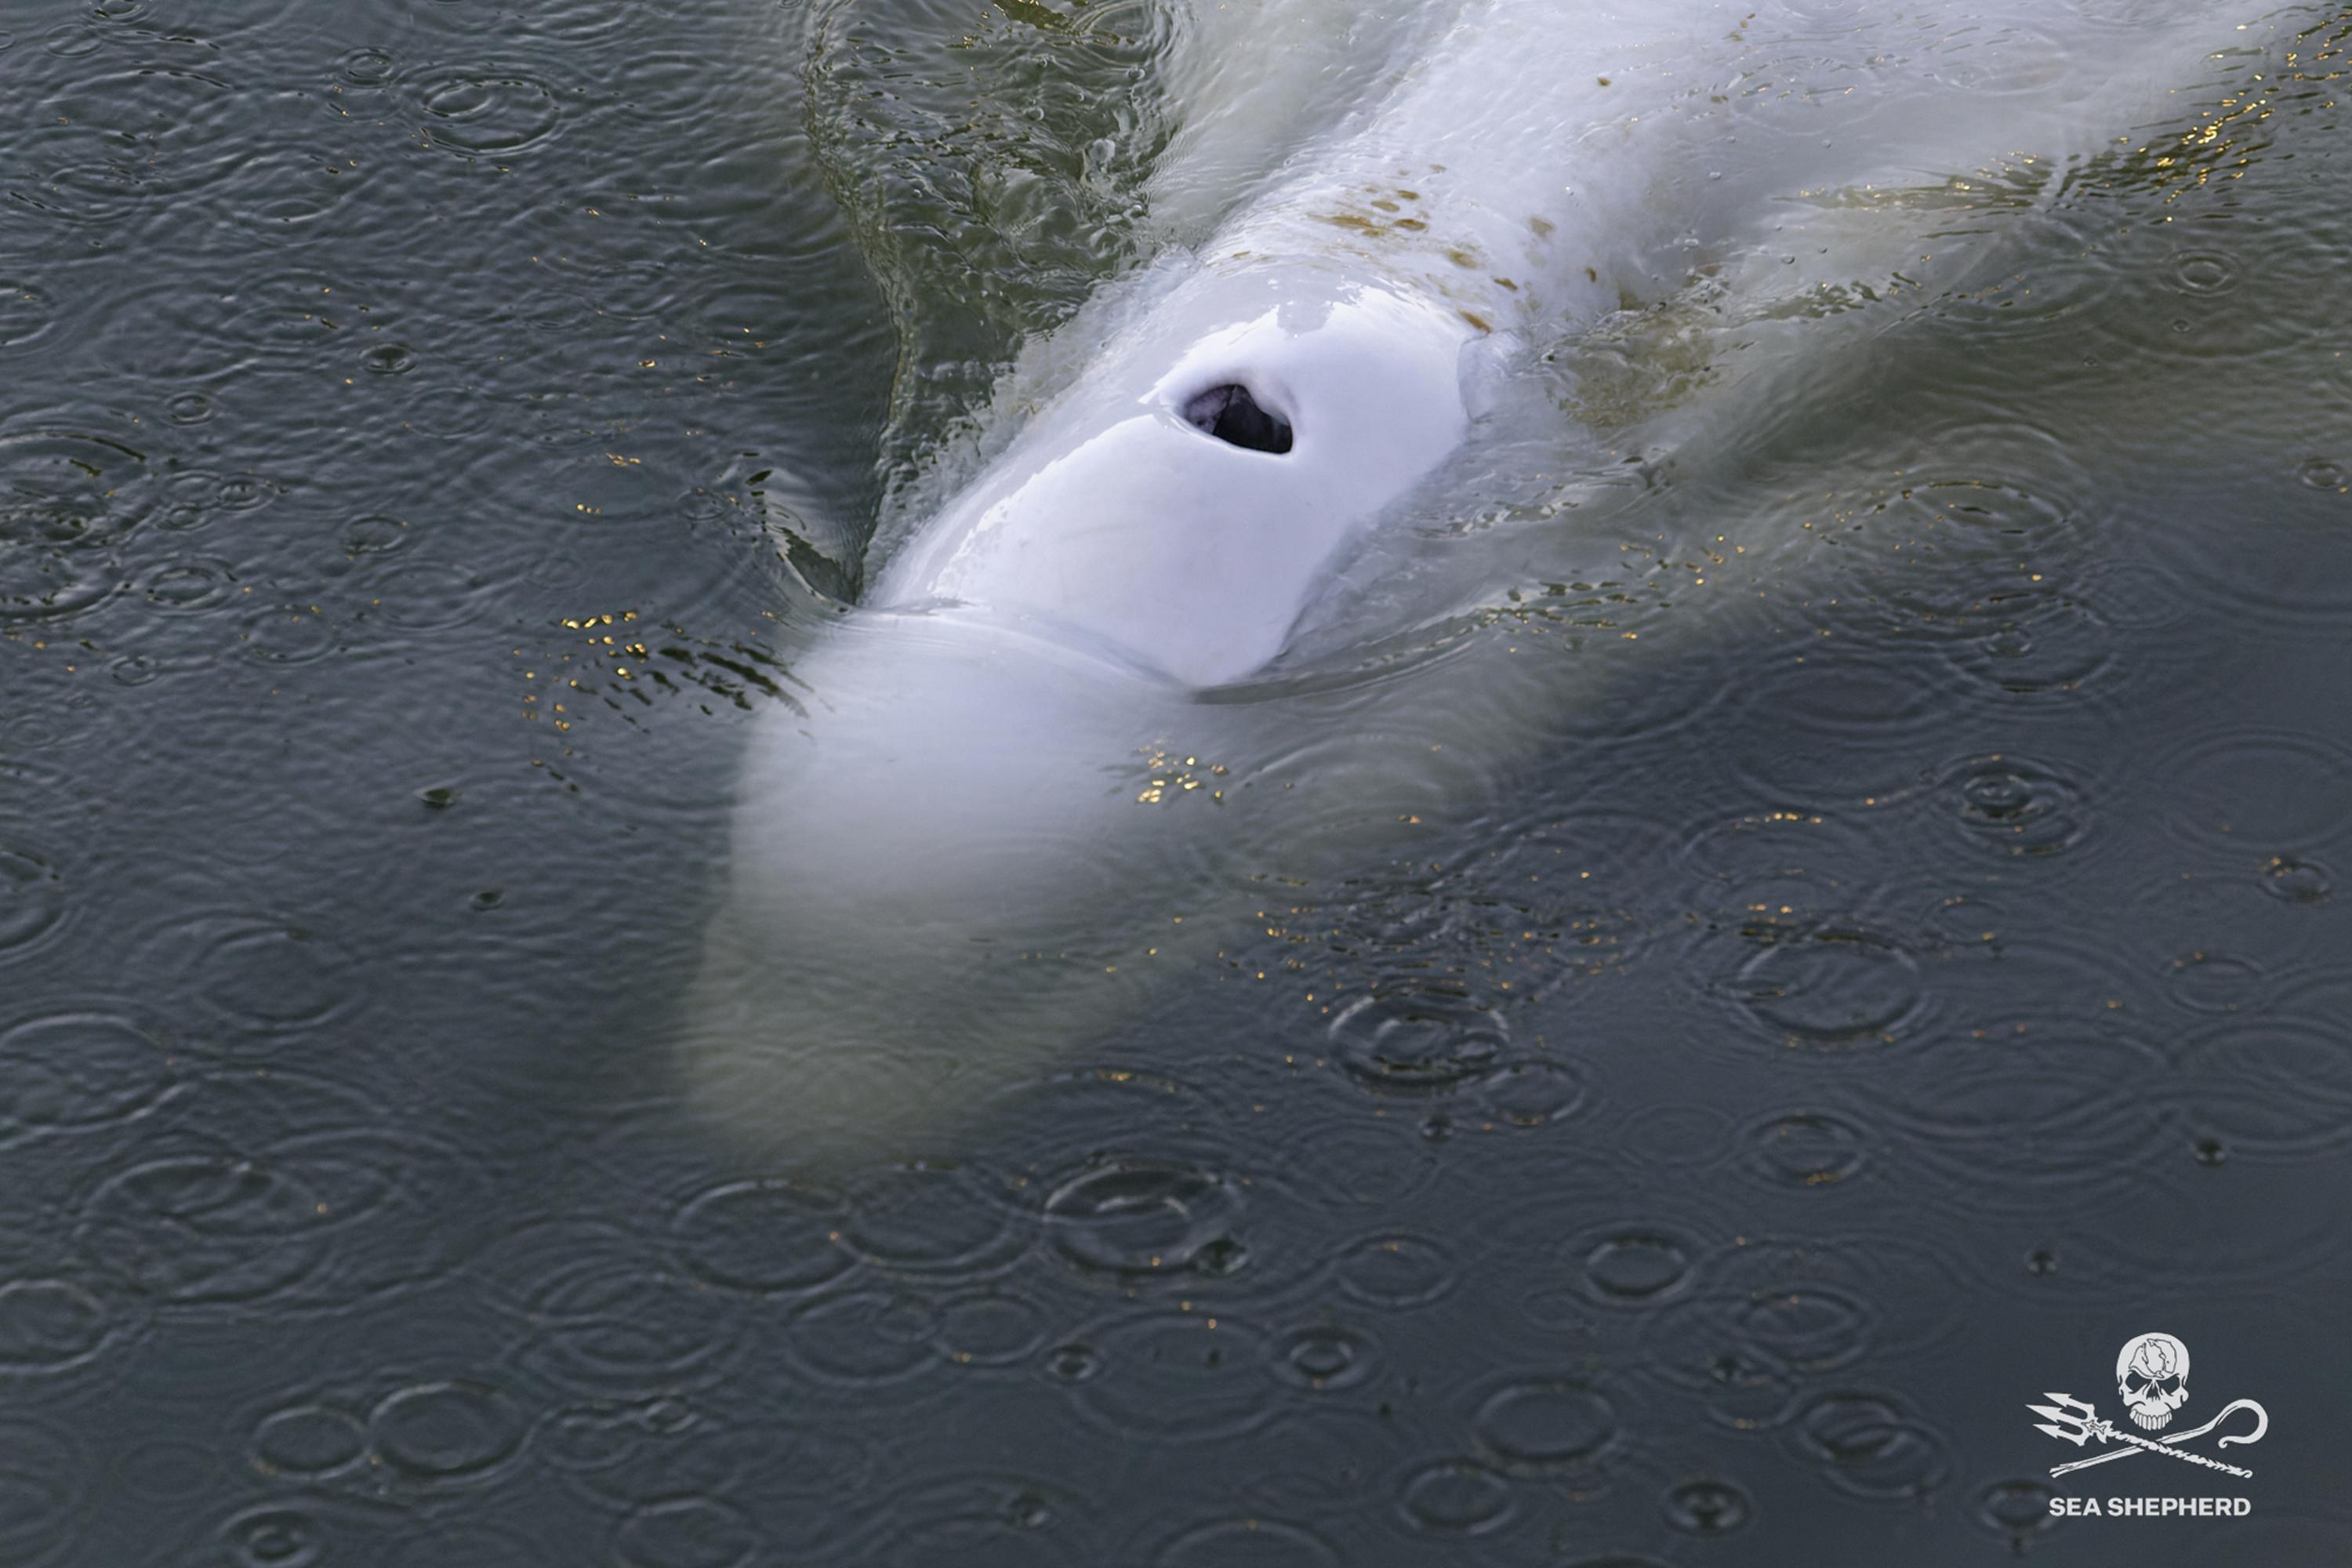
{"points": [[1102, 677]]}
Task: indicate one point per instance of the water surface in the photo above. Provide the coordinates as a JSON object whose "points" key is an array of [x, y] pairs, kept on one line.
{"points": [[1901, 973]]}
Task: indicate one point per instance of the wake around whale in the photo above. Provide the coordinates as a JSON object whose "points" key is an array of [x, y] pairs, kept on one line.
{"points": [[1040, 767]]}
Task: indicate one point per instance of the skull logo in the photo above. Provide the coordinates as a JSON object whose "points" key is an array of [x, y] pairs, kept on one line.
{"points": [[2152, 1375]]}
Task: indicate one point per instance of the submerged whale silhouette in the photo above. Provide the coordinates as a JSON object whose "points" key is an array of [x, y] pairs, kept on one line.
{"points": [[955, 866]]}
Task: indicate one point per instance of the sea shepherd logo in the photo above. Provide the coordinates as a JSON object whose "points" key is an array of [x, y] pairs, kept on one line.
{"points": [[2152, 1380]]}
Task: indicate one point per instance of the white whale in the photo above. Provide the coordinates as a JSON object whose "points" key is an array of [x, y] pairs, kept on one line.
{"points": [[955, 866]]}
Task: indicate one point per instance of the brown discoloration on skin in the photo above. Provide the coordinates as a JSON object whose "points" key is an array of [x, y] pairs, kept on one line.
{"points": [[1412, 224], [1543, 227], [1506, 283], [1477, 320], [1461, 258], [1591, 275]]}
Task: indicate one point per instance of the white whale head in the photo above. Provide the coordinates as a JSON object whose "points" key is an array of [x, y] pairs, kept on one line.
{"points": [[942, 877], [1182, 500]]}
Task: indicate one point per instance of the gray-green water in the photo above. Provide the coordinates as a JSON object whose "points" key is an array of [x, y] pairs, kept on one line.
{"points": [[1910, 968]]}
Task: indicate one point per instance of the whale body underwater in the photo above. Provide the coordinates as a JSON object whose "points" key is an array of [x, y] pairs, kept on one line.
{"points": [[1037, 769]]}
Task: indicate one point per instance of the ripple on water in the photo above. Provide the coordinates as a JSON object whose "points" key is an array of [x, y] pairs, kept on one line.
{"points": [[277, 1535], [377, 533], [1396, 1272], [1323, 1357], [2017, 1513], [687, 1532], [194, 496], [33, 903], [1418, 1040], [125, 144], [983, 1518], [2276, 1087], [309, 1441], [281, 318], [1631, 1265], [1974, 553], [769, 1236], [579, 21], [1871, 1446], [1768, 1318], [260, 979], [2194, 309], [1998, 59], [1707, 1508], [2258, 791], [1529, 1092], [860, 1340], [285, 193], [25, 315], [356, 1210], [452, 1432], [53, 1325], [618, 1453], [1177, 1377], [2134, 594], [2206, 982], [67, 502], [2050, 653], [2136, 1237], [608, 1320], [990, 1329], [1056, 1122], [1542, 1426], [1838, 702], [388, 359], [1814, 1150], [1139, 1218], [215, 1227], [919, 1221], [285, 633], [2015, 805], [38, 584], [1789, 859], [1459, 1496], [2324, 474], [2002, 505], [189, 585], [2050, 1112], [2291, 879], [419, 595], [367, 66], [1682, 1139], [1822, 984], [486, 108], [1254, 1541], [1353, 1163], [602, 1324]]}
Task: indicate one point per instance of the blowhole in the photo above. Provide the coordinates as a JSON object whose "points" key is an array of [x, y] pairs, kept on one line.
{"points": [[1231, 414]]}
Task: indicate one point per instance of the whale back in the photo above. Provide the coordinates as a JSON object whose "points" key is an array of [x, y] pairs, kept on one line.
{"points": [[996, 817], [1507, 173]]}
